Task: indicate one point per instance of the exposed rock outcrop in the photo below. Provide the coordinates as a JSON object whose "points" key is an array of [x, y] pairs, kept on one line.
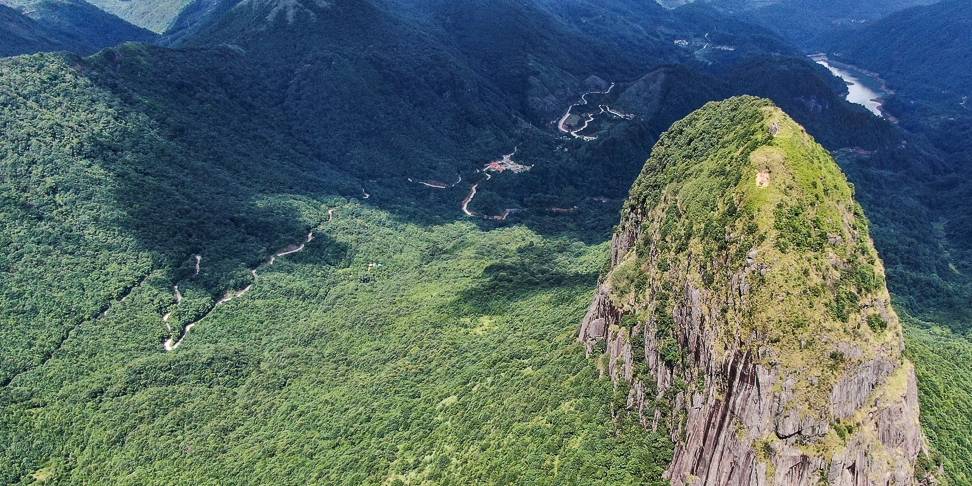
{"points": [[757, 308]]}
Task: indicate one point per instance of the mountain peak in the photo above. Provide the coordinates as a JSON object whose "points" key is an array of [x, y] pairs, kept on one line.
{"points": [[745, 269]]}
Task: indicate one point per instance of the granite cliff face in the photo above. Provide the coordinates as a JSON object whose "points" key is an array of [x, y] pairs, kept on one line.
{"points": [[746, 310]]}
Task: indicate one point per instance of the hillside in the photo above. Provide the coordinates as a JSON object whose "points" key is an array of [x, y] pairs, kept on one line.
{"points": [[924, 50], [923, 55], [243, 110], [513, 68], [154, 15], [348, 242], [76, 26], [20, 34], [471, 376], [746, 307], [107, 125], [809, 23]]}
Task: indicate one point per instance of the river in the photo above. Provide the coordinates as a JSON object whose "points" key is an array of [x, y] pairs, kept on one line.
{"points": [[863, 88]]}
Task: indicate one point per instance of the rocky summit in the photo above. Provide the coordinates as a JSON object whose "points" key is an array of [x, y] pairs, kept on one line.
{"points": [[745, 311]]}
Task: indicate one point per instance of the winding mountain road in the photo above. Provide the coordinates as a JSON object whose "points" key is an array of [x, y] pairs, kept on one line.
{"points": [[172, 343], [469, 198], [437, 184], [562, 124]]}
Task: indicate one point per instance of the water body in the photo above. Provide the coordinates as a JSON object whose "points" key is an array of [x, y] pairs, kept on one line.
{"points": [[863, 88]]}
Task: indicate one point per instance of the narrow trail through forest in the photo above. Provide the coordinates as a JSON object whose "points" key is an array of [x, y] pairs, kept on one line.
{"points": [[178, 300], [177, 295], [505, 214], [172, 343]]}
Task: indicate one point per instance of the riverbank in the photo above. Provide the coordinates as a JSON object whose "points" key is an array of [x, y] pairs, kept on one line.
{"points": [[864, 87]]}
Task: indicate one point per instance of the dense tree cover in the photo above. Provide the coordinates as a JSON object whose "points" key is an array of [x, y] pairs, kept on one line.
{"points": [[924, 259], [454, 361], [943, 363], [923, 50], [119, 168], [922, 53], [448, 74], [93, 186], [115, 181], [926, 272]]}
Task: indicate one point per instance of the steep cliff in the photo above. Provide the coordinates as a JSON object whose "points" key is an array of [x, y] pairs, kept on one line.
{"points": [[746, 309]]}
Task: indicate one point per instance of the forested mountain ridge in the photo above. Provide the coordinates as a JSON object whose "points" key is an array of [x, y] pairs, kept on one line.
{"points": [[922, 54], [470, 113], [527, 67], [107, 109], [186, 99], [125, 169]]}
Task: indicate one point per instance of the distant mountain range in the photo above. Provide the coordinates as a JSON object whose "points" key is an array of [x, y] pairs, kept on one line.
{"points": [[19, 34], [805, 22], [69, 25], [926, 51], [155, 15]]}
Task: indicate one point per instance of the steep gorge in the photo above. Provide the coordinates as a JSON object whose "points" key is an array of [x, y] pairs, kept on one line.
{"points": [[746, 310]]}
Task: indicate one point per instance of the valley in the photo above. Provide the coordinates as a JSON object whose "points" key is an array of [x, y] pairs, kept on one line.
{"points": [[287, 242]]}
